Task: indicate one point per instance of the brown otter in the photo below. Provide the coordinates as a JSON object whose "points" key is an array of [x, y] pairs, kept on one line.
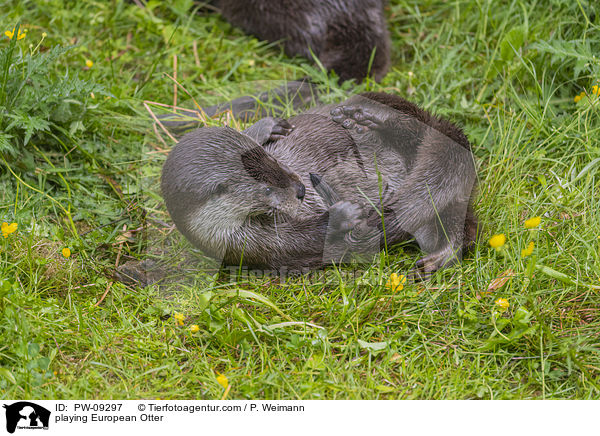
{"points": [[349, 37], [328, 184], [342, 34]]}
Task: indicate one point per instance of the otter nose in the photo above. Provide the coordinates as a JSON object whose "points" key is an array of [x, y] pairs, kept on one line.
{"points": [[300, 191]]}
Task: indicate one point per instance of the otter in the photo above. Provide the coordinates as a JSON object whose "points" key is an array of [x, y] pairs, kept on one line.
{"points": [[349, 37], [331, 184]]}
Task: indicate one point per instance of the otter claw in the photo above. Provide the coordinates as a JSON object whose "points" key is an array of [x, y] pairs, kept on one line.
{"points": [[280, 130], [426, 266], [348, 123], [336, 112], [349, 111]]}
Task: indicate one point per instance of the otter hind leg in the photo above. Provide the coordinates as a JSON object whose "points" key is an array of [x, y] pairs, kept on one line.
{"points": [[443, 240], [356, 117]]}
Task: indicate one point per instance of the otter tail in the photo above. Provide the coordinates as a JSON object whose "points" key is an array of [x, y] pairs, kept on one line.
{"points": [[290, 97]]}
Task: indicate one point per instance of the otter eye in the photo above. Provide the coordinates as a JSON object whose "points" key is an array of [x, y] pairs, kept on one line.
{"points": [[268, 191], [220, 189]]}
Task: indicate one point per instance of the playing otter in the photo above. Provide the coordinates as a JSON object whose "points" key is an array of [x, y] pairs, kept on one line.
{"points": [[334, 183]]}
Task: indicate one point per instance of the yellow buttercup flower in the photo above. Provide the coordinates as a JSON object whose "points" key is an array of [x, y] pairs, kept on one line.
{"points": [[89, 63], [396, 282], [222, 380], [66, 252], [194, 328], [498, 240], [577, 98], [527, 251], [502, 304], [595, 90], [7, 229], [10, 34], [179, 318], [533, 222]]}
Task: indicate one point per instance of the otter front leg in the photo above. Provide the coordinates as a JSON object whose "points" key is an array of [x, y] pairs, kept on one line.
{"points": [[269, 129], [349, 235], [344, 216]]}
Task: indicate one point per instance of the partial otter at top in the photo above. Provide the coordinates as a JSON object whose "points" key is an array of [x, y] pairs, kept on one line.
{"points": [[334, 183], [342, 34]]}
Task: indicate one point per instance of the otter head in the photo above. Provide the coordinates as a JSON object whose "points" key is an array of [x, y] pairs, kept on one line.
{"points": [[274, 187], [216, 179]]}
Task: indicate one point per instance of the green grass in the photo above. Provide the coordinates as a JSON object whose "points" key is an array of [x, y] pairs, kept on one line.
{"points": [[507, 71]]}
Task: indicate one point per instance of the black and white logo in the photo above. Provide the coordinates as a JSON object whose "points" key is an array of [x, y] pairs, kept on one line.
{"points": [[26, 415]]}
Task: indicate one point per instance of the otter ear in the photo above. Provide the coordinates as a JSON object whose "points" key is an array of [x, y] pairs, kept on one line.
{"points": [[254, 162]]}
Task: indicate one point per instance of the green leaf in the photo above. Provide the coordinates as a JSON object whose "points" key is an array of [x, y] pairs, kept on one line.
{"points": [[5, 287], [531, 266], [33, 349], [522, 317], [384, 388], [43, 363], [372, 346], [253, 296], [29, 123], [204, 300], [6, 144], [501, 323], [316, 361], [512, 42], [76, 126], [7, 375]]}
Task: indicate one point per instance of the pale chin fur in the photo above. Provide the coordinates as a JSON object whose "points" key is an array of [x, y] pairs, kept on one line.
{"points": [[215, 222]]}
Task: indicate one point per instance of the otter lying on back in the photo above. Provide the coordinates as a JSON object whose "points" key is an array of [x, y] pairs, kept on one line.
{"points": [[332, 183]]}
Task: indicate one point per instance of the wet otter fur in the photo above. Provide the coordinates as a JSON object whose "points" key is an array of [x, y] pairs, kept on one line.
{"points": [[328, 185]]}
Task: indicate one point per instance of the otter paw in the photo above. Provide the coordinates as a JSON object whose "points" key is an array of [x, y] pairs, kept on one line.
{"points": [[355, 117], [280, 129], [344, 216], [426, 266], [269, 129]]}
